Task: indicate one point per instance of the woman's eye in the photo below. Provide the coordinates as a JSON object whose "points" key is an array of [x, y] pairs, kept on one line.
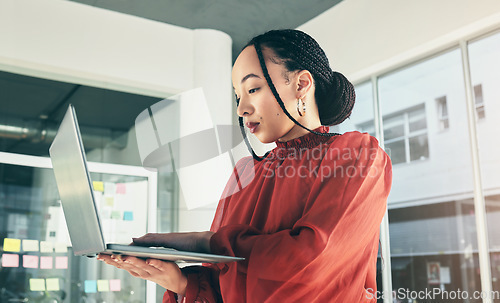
{"points": [[253, 90]]}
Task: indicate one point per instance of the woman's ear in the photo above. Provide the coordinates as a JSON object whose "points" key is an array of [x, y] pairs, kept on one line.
{"points": [[304, 83]]}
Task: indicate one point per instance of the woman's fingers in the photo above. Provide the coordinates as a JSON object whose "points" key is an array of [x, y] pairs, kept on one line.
{"points": [[151, 239], [118, 261], [164, 273], [194, 241], [108, 259], [135, 266], [162, 267]]}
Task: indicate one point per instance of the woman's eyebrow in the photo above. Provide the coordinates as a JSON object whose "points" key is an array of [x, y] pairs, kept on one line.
{"points": [[249, 76]]}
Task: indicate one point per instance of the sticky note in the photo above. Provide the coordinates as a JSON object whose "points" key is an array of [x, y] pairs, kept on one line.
{"points": [[98, 186], [128, 216], [102, 285], [61, 248], [109, 188], [46, 247], [30, 245], [121, 188], [52, 284], [46, 262], [11, 244], [37, 284], [10, 260], [115, 285], [109, 201], [62, 262], [90, 286], [116, 214], [30, 261]]}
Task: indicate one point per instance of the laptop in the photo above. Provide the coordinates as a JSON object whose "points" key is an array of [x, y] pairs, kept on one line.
{"points": [[80, 209]]}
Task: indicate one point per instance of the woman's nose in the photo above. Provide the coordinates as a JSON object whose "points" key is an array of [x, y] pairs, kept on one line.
{"points": [[244, 108]]}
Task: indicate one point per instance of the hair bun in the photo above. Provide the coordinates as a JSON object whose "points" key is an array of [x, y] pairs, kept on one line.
{"points": [[341, 98]]}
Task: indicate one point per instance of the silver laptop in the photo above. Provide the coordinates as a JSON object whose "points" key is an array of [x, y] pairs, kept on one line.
{"points": [[79, 204]]}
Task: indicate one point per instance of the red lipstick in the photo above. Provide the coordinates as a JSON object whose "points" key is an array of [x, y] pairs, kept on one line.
{"points": [[252, 126]]}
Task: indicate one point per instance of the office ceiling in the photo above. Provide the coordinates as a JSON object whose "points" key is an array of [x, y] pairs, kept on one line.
{"points": [[29, 105], [241, 19]]}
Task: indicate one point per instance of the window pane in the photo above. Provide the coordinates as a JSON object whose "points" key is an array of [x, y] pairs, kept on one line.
{"points": [[442, 111], [443, 107], [397, 151], [417, 120], [32, 214], [442, 248], [485, 72], [394, 127], [394, 132], [478, 94], [419, 148], [432, 230]]}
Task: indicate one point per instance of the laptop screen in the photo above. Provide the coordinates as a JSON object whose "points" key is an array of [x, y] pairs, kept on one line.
{"points": [[75, 187]]}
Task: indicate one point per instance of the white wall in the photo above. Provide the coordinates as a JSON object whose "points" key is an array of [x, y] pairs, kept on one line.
{"points": [[76, 43], [362, 37]]}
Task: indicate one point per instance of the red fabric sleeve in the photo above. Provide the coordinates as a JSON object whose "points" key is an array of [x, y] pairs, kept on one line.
{"points": [[328, 254]]}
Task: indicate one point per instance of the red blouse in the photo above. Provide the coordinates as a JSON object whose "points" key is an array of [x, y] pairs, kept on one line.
{"points": [[306, 219]]}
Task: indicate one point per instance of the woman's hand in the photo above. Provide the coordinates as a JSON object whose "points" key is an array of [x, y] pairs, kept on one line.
{"points": [[165, 274], [194, 241]]}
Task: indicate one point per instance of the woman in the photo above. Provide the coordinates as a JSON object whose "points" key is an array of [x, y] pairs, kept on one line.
{"points": [[307, 216]]}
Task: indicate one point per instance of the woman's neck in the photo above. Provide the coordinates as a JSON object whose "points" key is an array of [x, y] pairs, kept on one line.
{"points": [[297, 132]]}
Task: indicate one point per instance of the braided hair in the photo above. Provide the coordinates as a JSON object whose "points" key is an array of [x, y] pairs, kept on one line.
{"points": [[298, 51]]}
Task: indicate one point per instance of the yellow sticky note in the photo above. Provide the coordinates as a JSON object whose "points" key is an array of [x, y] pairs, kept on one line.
{"points": [[110, 201], [11, 244], [102, 285], [98, 186], [53, 284], [37, 284]]}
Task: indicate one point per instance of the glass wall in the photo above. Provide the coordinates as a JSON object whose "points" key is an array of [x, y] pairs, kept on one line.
{"points": [[432, 214], [484, 56], [432, 225], [32, 108], [38, 263], [30, 112]]}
